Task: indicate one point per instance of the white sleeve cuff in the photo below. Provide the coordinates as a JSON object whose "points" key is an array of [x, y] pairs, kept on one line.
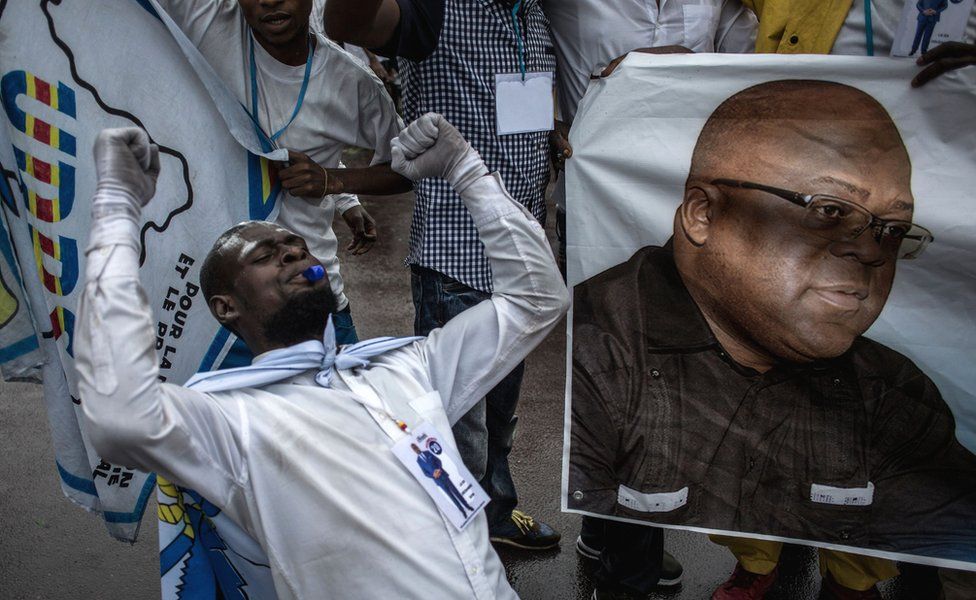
{"points": [[112, 230], [344, 202]]}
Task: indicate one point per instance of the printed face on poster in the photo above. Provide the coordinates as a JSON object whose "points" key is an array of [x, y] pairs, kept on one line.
{"points": [[772, 322]]}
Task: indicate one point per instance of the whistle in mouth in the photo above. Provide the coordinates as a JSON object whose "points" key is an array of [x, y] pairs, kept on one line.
{"points": [[314, 273]]}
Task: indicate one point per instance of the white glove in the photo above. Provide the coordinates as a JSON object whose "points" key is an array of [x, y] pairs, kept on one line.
{"points": [[127, 165], [432, 147]]}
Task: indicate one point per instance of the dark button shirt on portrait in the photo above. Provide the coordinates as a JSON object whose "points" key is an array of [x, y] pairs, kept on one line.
{"points": [[659, 408]]}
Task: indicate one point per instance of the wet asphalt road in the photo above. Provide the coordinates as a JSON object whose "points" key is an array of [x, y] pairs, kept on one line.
{"points": [[51, 549]]}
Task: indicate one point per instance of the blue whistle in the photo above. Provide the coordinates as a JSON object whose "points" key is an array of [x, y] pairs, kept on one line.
{"points": [[314, 273]]}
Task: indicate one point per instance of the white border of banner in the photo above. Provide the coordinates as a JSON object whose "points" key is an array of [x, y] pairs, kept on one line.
{"points": [[845, 67]]}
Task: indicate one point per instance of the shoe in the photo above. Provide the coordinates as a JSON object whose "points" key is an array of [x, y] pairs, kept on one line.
{"points": [[743, 585], [586, 551], [522, 531], [617, 595], [671, 571], [831, 590]]}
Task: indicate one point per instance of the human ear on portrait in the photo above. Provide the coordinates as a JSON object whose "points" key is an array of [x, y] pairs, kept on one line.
{"points": [[697, 212]]}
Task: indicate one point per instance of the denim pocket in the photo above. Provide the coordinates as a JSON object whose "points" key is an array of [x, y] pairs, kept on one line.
{"points": [[455, 298], [455, 287]]}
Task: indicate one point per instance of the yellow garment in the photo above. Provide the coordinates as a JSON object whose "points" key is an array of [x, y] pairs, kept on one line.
{"points": [[798, 26], [756, 556], [854, 571]]}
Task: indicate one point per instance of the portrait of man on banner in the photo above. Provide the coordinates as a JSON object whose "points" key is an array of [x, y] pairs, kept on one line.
{"points": [[721, 377]]}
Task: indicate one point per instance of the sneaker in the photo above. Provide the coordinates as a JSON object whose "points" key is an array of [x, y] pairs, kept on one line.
{"points": [[522, 531], [743, 585], [586, 551], [831, 590], [617, 595], [671, 571]]}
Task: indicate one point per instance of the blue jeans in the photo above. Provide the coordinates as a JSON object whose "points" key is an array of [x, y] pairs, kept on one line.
{"points": [[484, 435]]}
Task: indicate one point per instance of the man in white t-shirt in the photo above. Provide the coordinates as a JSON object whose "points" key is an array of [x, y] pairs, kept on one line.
{"points": [[311, 97]]}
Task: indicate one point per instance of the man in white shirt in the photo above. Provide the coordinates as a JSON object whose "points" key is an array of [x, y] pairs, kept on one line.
{"points": [[303, 461], [591, 36], [312, 97], [588, 34]]}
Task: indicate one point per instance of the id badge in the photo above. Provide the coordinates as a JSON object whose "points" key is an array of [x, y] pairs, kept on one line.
{"points": [[523, 106], [441, 473], [928, 23]]}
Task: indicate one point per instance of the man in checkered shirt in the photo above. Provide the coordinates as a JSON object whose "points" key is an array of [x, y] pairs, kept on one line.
{"points": [[475, 40]]}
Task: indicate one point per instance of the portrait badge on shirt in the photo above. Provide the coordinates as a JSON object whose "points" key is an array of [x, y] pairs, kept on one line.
{"points": [[443, 476], [523, 105], [927, 23]]}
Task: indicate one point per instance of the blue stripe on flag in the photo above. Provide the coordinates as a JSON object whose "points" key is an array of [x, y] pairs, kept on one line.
{"points": [[76, 483], [171, 555], [18, 348], [239, 355], [215, 347], [135, 515], [145, 4]]}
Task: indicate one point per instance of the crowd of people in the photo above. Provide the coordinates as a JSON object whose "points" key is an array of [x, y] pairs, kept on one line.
{"points": [[262, 442]]}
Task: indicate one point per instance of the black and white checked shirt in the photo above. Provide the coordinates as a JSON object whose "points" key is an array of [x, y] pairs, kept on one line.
{"points": [[477, 41]]}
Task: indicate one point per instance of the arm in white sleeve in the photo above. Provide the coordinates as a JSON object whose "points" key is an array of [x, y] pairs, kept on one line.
{"points": [[203, 19], [379, 122], [131, 418], [344, 202], [737, 27], [469, 355]]}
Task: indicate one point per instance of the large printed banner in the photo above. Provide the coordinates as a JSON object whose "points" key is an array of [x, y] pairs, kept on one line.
{"points": [[774, 319], [67, 70], [20, 354]]}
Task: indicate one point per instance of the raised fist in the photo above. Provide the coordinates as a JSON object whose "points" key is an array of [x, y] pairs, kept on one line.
{"points": [[127, 164], [432, 147]]}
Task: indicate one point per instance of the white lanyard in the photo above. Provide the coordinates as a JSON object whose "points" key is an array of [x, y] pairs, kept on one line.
{"points": [[364, 393]]}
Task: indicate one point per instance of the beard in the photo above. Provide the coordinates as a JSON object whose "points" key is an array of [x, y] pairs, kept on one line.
{"points": [[301, 318]]}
